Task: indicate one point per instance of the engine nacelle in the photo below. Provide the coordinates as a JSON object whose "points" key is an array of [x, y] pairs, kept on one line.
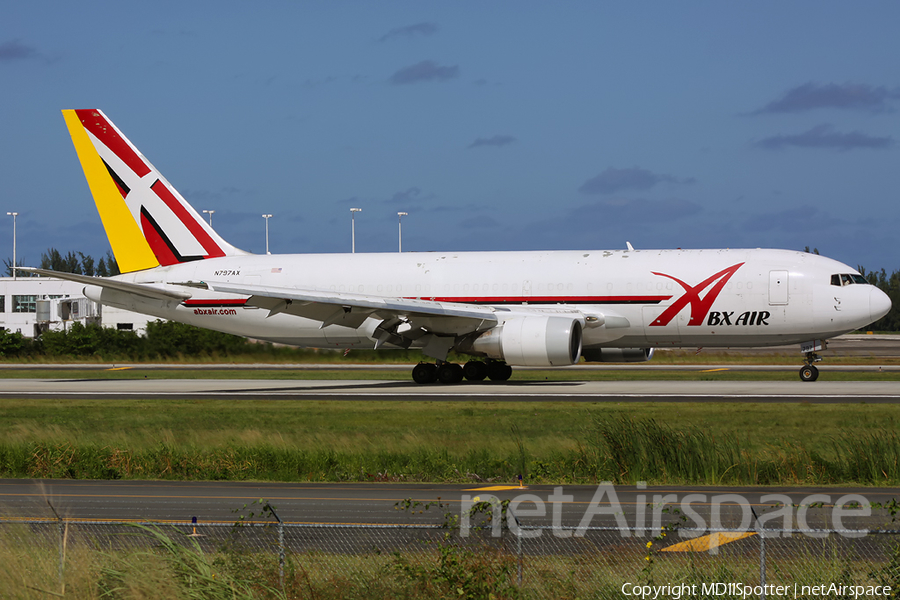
{"points": [[626, 355], [531, 342]]}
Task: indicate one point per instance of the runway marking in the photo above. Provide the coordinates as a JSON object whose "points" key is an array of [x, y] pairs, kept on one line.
{"points": [[705, 543], [120, 368], [394, 397], [495, 488], [714, 370], [332, 499], [202, 523]]}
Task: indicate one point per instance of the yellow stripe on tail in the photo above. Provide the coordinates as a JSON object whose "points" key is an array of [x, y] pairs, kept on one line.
{"points": [[131, 250]]}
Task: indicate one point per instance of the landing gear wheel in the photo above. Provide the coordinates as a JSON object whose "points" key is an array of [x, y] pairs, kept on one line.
{"points": [[498, 371], [450, 373], [425, 373], [809, 373], [475, 370]]}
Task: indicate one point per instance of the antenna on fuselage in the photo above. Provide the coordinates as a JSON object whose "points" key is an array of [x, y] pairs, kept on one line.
{"points": [[630, 247]]}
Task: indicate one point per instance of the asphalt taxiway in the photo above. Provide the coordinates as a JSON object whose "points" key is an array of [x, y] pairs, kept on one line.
{"points": [[518, 391], [377, 503]]}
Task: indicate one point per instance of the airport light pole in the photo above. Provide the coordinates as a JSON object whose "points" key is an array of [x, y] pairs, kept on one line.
{"points": [[210, 213], [267, 217], [400, 216], [353, 212], [14, 215]]}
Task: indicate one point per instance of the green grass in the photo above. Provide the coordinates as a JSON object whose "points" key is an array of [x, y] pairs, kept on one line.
{"points": [[290, 440], [168, 566]]}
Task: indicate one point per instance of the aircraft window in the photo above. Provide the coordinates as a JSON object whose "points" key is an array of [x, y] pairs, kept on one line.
{"points": [[848, 279]]}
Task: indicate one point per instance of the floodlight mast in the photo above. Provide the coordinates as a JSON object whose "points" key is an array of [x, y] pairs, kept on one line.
{"points": [[353, 212], [267, 217], [14, 215], [400, 216]]}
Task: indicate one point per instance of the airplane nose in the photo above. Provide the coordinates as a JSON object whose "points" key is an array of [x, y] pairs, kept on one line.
{"points": [[879, 304]]}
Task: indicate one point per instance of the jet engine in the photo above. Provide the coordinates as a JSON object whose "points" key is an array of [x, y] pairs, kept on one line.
{"points": [[537, 341], [618, 354]]}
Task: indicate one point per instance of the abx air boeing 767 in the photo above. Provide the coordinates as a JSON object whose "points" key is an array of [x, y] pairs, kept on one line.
{"points": [[503, 309]]}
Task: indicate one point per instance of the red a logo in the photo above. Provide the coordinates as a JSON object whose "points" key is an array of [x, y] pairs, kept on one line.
{"points": [[699, 306]]}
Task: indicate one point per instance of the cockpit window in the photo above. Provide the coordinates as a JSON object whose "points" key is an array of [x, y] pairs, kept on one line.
{"points": [[842, 279]]}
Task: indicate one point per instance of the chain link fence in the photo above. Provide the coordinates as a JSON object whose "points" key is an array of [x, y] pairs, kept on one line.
{"points": [[314, 560]]}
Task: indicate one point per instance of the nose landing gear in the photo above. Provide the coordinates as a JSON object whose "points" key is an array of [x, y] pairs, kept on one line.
{"points": [[809, 372]]}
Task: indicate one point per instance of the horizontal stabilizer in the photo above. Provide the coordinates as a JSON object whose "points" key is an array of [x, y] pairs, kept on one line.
{"points": [[139, 289]]}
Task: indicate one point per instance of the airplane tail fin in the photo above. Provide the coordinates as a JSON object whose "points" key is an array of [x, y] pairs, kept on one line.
{"points": [[147, 221]]}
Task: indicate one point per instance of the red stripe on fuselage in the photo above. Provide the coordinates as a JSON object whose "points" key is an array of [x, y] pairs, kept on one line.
{"points": [[549, 299], [107, 134], [211, 303], [212, 249]]}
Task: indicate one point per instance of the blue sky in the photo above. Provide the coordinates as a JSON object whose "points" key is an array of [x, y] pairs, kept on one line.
{"points": [[496, 126]]}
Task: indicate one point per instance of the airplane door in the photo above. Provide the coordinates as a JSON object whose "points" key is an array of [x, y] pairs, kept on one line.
{"points": [[670, 333], [778, 288]]}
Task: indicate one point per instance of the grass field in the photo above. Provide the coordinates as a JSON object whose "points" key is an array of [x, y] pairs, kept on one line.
{"points": [[449, 441], [163, 564], [551, 442], [405, 358]]}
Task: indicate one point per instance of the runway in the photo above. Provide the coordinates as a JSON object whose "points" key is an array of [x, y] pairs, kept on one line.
{"points": [[375, 503], [407, 391]]}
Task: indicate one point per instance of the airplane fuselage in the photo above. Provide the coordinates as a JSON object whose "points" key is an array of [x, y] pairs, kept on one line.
{"points": [[643, 298]]}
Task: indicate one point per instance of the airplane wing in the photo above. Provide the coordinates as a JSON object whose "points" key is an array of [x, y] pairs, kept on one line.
{"points": [[403, 319], [141, 289]]}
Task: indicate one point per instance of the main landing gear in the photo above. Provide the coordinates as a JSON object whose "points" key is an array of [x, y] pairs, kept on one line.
{"points": [[809, 372], [474, 370]]}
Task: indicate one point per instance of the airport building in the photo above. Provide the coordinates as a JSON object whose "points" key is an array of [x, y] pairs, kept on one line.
{"points": [[31, 305]]}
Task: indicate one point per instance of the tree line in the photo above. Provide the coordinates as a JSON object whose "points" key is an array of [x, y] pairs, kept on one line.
{"points": [[71, 262], [890, 285], [164, 339]]}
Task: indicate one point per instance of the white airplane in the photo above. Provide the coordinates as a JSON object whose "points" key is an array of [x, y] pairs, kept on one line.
{"points": [[502, 308]]}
